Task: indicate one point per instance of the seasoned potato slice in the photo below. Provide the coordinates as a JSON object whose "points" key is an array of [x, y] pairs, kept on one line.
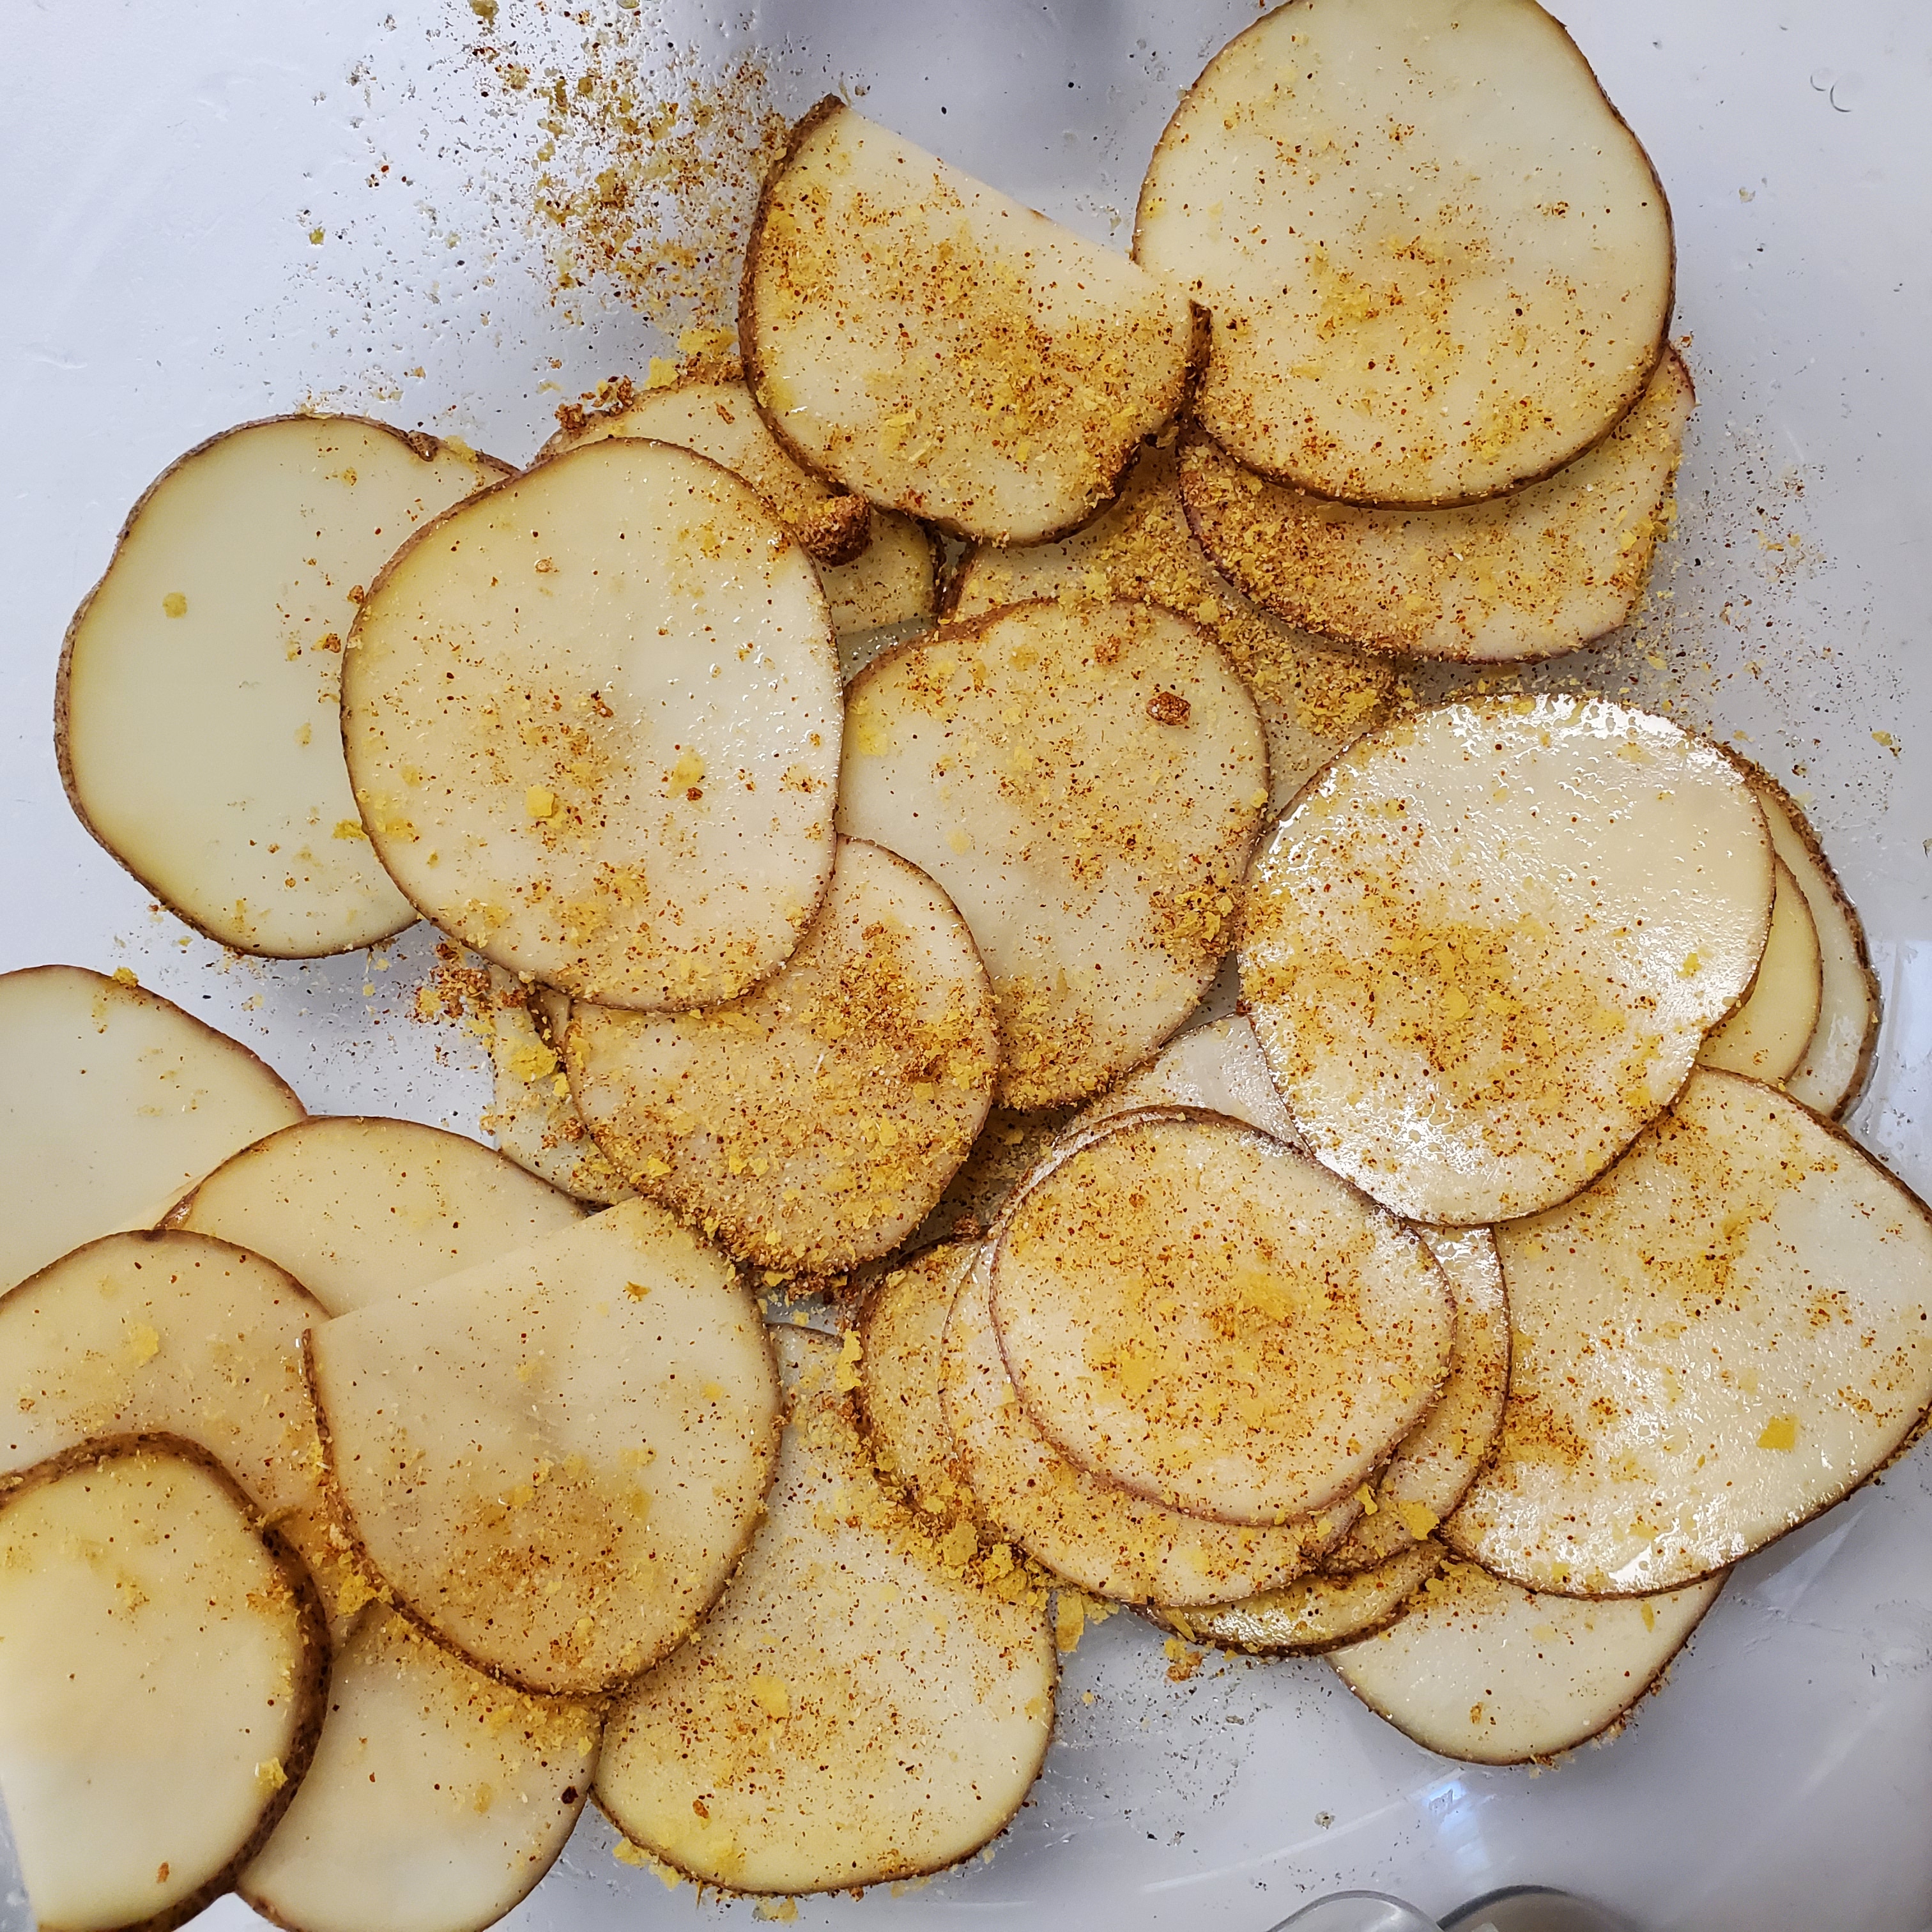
{"points": [[1484, 950], [1439, 264], [810, 1125], [1314, 1613], [1217, 1066], [901, 1333], [1722, 1336], [593, 719], [1086, 785], [1009, 1146], [921, 339], [1767, 1036]]}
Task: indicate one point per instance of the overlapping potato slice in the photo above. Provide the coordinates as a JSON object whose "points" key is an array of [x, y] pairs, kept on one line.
{"points": [[1767, 1036], [1009, 1145], [1485, 948], [592, 721], [161, 1675], [1086, 785], [116, 1103], [812, 1124], [926, 341], [553, 1460], [1479, 1670], [1528, 575], [1722, 1335], [1439, 264], [901, 1334], [1314, 1613], [855, 1708], [1217, 1066], [437, 1797], [195, 715]]}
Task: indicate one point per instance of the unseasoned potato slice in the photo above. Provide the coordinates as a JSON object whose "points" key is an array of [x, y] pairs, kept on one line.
{"points": [[1767, 1036], [554, 1460], [1722, 1336], [1484, 950], [1528, 575], [857, 1708], [1217, 1066], [901, 1334], [1086, 785], [810, 1125], [1479, 1670], [1314, 1613], [1439, 263], [195, 717], [925, 340], [592, 720]]}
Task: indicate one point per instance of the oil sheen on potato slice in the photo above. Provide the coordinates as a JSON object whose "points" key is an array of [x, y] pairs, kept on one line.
{"points": [[1086, 785], [1479, 1670], [554, 1460], [1484, 949], [858, 1707], [161, 1672], [1439, 264], [901, 1335], [1532, 574], [117, 1102], [1768, 1035], [1313, 1613], [1721, 1336], [810, 1125], [1217, 1066], [925, 340], [592, 719]]}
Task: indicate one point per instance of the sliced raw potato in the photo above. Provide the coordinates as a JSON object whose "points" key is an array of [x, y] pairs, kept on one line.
{"points": [[592, 721], [925, 340], [856, 1709], [1312, 1614], [116, 1103], [1484, 950], [553, 1460], [1528, 575], [901, 1335], [436, 1797], [1721, 1336], [194, 717], [359, 1210], [812, 1124], [1086, 785], [1217, 1066], [1439, 264], [1479, 1670], [1009, 1145], [161, 1674], [1207, 1318], [1313, 699], [1767, 1036]]}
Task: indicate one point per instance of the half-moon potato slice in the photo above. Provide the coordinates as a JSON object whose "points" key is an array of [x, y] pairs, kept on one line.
{"points": [[1439, 264], [1484, 950], [1313, 1613], [195, 715], [932, 344], [1767, 1036], [901, 1335], [1723, 1335], [592, 719], [1086, 785]]}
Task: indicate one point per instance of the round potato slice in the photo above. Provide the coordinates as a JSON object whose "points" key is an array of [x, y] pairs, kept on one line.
{"points": [[810, 1125], [1767, 1036], [1720, 1337], [1479, 1670], [901, 1333], [592, 719], [1312, 1614], [1439, 264], [855, 1708], [1086, 785], [195, 714], [1484, 949]]}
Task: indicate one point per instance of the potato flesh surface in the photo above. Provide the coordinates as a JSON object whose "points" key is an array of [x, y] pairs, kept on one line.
{"points": [[1719, 1337], [1767, 1036], [593, 725], [1484, 950], [1313, 1613], [1217, 1066], [901, 1333]]}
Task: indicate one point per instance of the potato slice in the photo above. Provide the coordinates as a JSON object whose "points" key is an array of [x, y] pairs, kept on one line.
{"points": [[1439, 264], [1086, 785], [901, 1333], [1216, 1066], [359, 1209], [1312, 1614], [1484, 950], [1720, 1337], [1767, 1036], [812, 1124], [161, 1674], [646, 827], [554, 1460], [1481, 1670], [923, 340], [116, 1103], [436, 1797], [1529, 575], [855, 1708], [1009, 1145]]}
